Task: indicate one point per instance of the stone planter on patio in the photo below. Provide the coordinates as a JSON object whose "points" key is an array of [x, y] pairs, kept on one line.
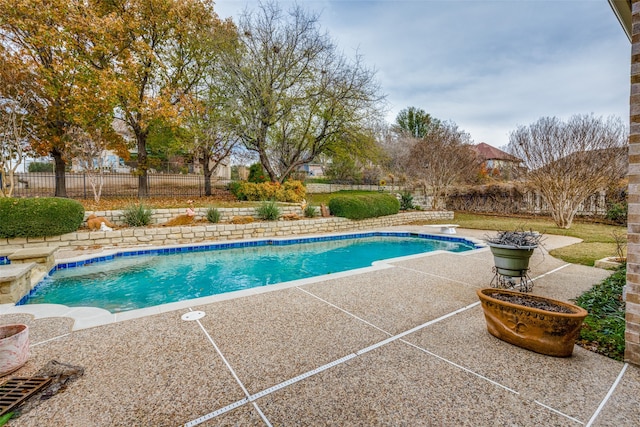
{"points": [[14, 347], [551, 329]]}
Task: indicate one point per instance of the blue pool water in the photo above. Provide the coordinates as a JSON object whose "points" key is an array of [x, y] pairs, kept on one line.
{"points": [[134, 280]]}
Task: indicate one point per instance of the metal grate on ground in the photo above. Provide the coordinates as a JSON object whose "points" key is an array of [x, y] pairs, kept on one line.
{"points": [[16, 390]]}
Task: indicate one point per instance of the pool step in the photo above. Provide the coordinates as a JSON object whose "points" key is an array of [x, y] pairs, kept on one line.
{"points": [[25, 269], [43, 257], [15, 281]]}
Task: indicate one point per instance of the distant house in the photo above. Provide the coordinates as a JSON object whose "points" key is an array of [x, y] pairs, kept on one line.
{"points": [[108, 161], [222, 171], [315, 170], [496, 162]]}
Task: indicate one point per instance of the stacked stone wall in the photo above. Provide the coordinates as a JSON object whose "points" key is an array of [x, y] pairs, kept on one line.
{"points": [[127, 237], [160, 216]]}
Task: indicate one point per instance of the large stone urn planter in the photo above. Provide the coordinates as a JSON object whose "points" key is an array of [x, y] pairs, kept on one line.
{"points": [[14, 347], [533, 322]]}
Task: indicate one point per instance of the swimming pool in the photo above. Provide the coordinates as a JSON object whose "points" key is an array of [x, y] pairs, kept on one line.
{"points": [[137, 279]]}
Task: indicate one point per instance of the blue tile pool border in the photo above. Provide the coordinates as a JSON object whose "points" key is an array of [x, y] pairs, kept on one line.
{"points": [[244, 244]]}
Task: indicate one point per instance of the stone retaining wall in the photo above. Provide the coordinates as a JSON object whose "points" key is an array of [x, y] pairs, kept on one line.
{"points": [[207, 232], [160, 216]]}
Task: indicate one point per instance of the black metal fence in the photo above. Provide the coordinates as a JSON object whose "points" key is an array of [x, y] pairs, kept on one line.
{"points": [[115, 185]]}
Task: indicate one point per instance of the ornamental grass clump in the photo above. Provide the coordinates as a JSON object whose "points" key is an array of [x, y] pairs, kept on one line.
{"points": [[310, 211], [213, 215], [268, 211], [517, 238], [137, 215]]}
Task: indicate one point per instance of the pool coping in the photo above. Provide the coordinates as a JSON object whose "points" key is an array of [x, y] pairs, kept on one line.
{"points": [[88, 317]]}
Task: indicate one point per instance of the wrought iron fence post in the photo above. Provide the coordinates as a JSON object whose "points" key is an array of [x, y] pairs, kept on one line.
{"points": [[84, 184]]}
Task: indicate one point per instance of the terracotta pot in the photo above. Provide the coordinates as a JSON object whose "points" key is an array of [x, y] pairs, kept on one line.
{"points": [[510, 260], [14, 347], [542, 331]]}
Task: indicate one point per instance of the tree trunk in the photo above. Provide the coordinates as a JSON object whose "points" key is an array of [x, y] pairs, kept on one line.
{"points": [[207, 171], [59, 169], [143, 166], [267, 167]]}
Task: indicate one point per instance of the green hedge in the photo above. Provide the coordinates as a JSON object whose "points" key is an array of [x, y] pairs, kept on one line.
{"points": [[364, 206], [47, 216]]}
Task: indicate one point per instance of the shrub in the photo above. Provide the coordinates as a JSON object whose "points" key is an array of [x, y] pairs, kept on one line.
{"points": [[364, 206], [290, 191], [617, 213], [406, 201], [257, 173], [40, 167], [213, 215], [137, 215], [234, 188], [39, 217], [268, 211], [603, 329], [310, 211]]}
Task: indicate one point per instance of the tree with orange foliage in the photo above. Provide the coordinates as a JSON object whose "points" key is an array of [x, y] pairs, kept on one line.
{"points": [[61, 44], [166, 48]]}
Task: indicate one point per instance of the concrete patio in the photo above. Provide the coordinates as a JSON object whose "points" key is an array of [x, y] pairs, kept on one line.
{"points": [[398, 344]]}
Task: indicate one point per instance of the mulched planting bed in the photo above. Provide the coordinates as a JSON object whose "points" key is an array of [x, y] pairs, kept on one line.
{"points": [[532, 303], [219, 198]]}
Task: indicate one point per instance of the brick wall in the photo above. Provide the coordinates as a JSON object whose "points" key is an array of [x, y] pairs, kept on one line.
{"points": [[632, 333], [201, 232]]}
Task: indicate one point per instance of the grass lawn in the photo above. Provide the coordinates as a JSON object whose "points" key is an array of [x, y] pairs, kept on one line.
{"points": [[598, 239]]}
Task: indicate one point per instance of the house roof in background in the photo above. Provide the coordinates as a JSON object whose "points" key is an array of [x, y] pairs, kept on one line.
{"points": [[487, 152]]}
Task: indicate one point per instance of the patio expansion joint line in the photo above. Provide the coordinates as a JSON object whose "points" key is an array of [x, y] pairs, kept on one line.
{"points": [[267, 391], [434, 275], [488, 380], [417, 328], [558, 412], [550, 272], [608, 396], [50, 339], [344, 311], [424, 350], [233, 373]]}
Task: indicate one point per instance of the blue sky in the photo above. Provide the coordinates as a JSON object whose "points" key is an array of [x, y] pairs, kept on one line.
{"points": [[489, 66]]}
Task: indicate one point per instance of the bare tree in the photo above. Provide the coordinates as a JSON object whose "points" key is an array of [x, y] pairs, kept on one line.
{"points": [[569, 161], [211, 140], [294, 95], [440, 159], [18, 103], [88, 151], [14, 140]]}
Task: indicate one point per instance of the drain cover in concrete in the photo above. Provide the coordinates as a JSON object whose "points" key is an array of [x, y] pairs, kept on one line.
{"points": [[16, 390], [193, 315]]}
